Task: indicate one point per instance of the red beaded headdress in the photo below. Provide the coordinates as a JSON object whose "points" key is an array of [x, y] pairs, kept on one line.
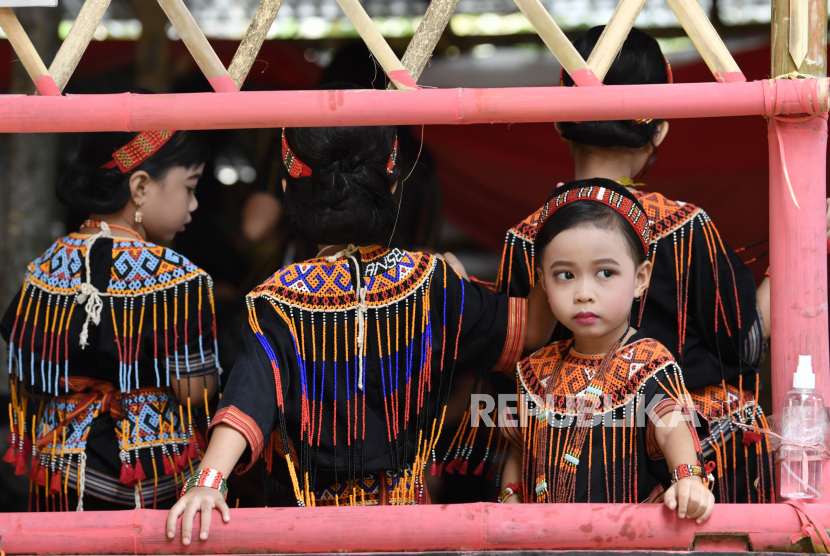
{"points": [[143, 146], [298, 169], [614, 196]]}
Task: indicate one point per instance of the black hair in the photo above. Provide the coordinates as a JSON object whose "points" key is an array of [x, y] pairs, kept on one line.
{"points": [[348, 197], [89, 189], [639, 62], [590, 213]]}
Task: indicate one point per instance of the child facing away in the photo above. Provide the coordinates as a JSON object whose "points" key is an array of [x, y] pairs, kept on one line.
{"points": [[603, 417], [347, 361]]}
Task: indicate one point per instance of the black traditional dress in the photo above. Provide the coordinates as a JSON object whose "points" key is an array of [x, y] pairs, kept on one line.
{"points": [[346, 367], [605, 452], [102, 420], [700, 304]]}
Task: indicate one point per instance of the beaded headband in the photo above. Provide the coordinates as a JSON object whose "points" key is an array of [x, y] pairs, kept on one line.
{"points": [[298, 169], [615, 197], [143, 146], [640, 121]]}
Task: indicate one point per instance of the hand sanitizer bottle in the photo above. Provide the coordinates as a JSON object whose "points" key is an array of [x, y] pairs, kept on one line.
{"points": [[803, 422]]}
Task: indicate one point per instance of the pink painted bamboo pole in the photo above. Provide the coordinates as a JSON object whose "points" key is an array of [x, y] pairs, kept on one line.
{"points": [[25, 114], [798, 256], [461, 527]]}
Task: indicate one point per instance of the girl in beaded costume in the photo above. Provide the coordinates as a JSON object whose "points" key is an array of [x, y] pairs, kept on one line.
{"points": [[603, 417], [701, 301], [112, 338], [348, 359]]}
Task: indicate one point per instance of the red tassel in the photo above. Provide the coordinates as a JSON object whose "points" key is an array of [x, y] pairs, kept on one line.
{"points": [[20, 465], [40, 478], [10, 456], [479, 470], [434, 469], [55, 483], [453, 465], [126, 477], [440, 468], [751, 437], [168, 467], [192, 450], [181, 461], [138, 471], [463, 470], [491, 474], [34, 470]]}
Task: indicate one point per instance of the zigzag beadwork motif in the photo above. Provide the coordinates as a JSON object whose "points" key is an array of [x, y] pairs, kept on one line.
{"points": [[665, 215], [138, 267], [319, 285], [527, 228], [635, 363]]}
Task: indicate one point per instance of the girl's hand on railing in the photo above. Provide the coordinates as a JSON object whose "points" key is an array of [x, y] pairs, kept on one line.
{"points": [[197, 499]]}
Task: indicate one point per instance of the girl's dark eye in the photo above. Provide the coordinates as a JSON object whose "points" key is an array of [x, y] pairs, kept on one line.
{"points": [[565, 275], [605, 274]]}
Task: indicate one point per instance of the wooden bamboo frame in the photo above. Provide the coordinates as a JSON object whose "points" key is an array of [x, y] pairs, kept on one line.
{"points": [[613, 36], [198, 45], [74, 46], [25, 50], [558, 43], [377, 45], [707, 41], [426, 37], [252, 41]]}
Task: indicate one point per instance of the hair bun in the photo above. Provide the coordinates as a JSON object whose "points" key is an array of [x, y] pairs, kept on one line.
{"points": [[78, 188]]}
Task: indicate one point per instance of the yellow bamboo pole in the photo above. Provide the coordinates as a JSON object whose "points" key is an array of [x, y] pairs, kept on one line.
{"points": [[252, 41], [707, 41], [558, 43], [76, 42], [377, 45], [198, 45], [25, 50], [799, 30], [613, 36]]}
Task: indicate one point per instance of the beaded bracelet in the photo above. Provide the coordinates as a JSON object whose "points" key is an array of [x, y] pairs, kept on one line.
{"points": [[509, 490], [694, 470], [210, 478]]}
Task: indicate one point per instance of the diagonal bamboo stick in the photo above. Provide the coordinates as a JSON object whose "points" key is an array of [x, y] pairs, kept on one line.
{"points": [[613, 36], [26, 52], [558, 43], [426, 36], [198, 45], [377, 45], [252, 41], [70, 52], [707, 41]]}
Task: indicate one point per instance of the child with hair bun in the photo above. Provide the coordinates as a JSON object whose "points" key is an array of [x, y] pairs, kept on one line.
{"points": [[348, 359], [112, 339]]}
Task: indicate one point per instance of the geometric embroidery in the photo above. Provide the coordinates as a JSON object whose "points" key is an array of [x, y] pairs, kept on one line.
{"points": [[77, 431], [388, 276], [338, 494], [633, 365], [138, 267], [152, 419], [666, 215]]}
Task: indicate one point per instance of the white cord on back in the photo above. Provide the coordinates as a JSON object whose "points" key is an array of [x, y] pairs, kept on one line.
{"points": [[90, 293]]}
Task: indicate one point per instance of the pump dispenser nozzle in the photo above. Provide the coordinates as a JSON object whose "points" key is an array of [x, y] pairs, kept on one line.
{"points": [[804, 377]]}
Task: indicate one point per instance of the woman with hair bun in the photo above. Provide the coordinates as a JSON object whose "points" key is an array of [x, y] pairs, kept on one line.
{"points": [[701, 301], [112, 340], [348, 359]]}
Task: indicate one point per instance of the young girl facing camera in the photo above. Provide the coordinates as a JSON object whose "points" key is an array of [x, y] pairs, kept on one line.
{"points": [[605, 416]]}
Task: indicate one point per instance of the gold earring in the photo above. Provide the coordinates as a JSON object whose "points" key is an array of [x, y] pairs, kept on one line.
{"points": [[138, 214], [635, 299]]}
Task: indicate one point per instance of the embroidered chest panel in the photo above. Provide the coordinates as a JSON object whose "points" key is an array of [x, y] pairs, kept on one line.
{"points": [[137, 267], [664, 214], [318, 285], [633, 365]]}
